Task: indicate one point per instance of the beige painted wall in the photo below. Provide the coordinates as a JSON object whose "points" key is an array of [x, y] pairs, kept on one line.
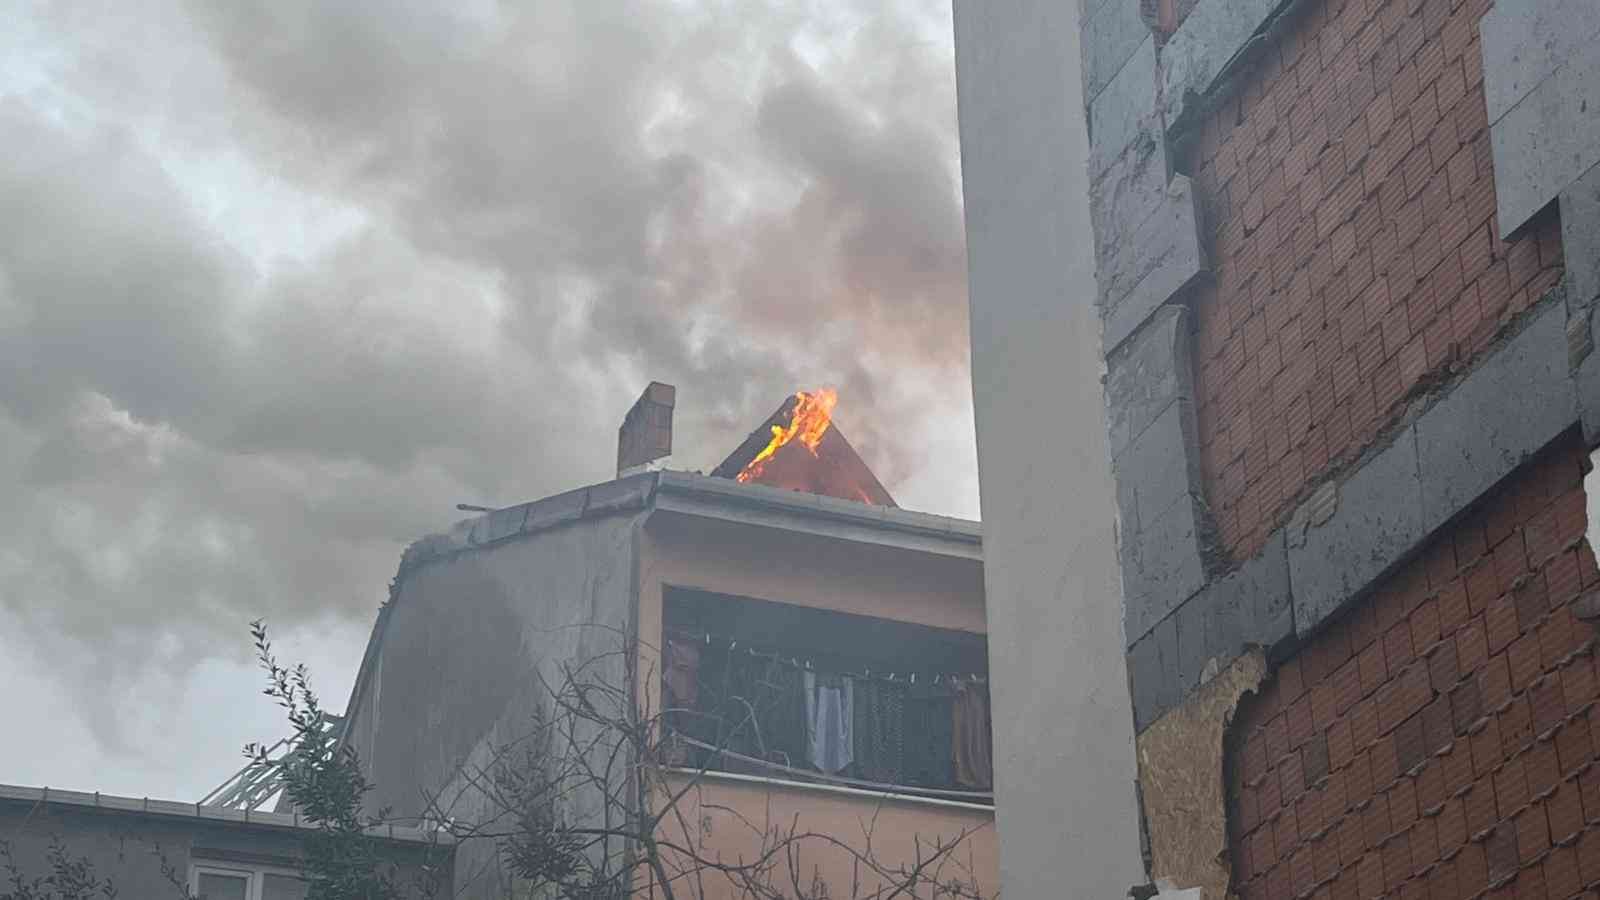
{"points": [[805, 570], [730, 818]]}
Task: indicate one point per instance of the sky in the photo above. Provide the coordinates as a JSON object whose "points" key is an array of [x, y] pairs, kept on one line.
{"points": [[283, 281]]}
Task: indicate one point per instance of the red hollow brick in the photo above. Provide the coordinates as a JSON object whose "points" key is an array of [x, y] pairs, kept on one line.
{"points": [[1472, 649], [1561, 635], [1403, 696], [1510, 787], [1501, 851], [1529, 884], [1403, 809], [1516, 727], [1396, 861], [1561, 876], [1500, 623], [1430, 789], [1589, 790], [1579, 686], [1525, 662], [1437, 730], [1542, 767], [1480, 808], [1487, 751], [1456, 769], [1444, 669], [1565, 812], [1573, 746], [1424, 840], [1549, 704], [1466, 705], [1589, 856], [1452, 826], [1358, 780], [1533, 834], [1472, 869]]}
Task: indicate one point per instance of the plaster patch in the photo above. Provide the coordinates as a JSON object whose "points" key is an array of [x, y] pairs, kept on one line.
{"points": [[1181, 769]]}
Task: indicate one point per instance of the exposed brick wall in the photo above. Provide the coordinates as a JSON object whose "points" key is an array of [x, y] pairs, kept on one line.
{"points": [[1440, 738], [1350, 210]]}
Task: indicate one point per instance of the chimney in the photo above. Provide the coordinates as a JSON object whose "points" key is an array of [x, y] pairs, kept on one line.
{"points": [[644, 442]]}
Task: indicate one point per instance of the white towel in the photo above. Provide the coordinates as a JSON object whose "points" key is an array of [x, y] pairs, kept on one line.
{"points": [[829, 715]]}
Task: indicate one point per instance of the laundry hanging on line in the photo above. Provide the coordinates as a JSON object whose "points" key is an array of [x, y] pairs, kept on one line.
{"points": [[929, 733]]}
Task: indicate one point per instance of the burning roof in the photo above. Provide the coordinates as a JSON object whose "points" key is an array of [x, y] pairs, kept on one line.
{"points": [[800, 449]]}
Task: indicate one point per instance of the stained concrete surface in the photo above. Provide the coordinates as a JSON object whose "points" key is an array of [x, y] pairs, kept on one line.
{"points": [[1548, 139], [471, 640]]}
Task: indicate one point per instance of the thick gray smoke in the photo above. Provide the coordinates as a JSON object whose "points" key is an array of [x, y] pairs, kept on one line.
{"points": [[281, 282]]}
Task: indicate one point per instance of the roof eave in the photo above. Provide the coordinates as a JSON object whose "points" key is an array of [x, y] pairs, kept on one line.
{"points": [[690, 494]]}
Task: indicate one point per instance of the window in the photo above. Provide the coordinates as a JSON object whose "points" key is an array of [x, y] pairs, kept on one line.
{"points": [[228, 881], [773, 689]]}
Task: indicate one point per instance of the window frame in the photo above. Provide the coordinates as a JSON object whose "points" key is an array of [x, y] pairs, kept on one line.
{"points": [[254, 875], [682, 596]]}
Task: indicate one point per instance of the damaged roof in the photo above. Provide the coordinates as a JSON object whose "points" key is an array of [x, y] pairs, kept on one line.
{"points": [[833, 469]]}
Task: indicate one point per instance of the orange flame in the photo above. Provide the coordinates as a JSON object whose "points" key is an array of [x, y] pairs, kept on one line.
{"points": [[813, 413]]}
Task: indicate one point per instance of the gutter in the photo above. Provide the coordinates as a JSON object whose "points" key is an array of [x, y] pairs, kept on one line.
{"points": [[219, 815]]}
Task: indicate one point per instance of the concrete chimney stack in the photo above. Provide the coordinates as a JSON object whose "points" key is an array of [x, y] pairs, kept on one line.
{"points": [[644, 442]]}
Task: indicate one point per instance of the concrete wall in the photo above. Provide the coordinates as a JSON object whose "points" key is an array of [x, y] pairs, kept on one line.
{"points": [[1064, 768], [468, 638], [128, 847], [121, 847]]}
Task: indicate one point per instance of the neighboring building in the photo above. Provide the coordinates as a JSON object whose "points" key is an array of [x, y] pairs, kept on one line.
{"points": [[716, 623], [155, 849], [1344, 258], [752, 590]]}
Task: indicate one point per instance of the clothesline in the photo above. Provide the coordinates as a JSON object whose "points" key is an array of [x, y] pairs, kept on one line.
{"points": [[805, 664], [839, 780]]}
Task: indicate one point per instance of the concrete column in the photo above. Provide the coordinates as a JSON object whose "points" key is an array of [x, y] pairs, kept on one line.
{"points": [[1064, 759]]}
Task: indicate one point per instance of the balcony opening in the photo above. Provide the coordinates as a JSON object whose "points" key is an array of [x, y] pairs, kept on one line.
{"points": [[772, 689]]}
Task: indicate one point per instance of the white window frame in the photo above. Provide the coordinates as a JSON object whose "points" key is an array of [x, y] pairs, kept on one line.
{"points": [[254, 875]]}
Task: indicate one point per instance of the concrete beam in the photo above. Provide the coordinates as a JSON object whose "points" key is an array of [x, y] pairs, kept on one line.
{"points": [[1159, 491], [1249, 607], [1580, 238], [1160, 257], [1200, 52], [1147, 236], [1580, 247], [1147, 375], [1153, 673], [1548, 139], [1516, 400], [1112, 33], [1525, 42], [1125, 109], [1513, 403], [1377, 519]]}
